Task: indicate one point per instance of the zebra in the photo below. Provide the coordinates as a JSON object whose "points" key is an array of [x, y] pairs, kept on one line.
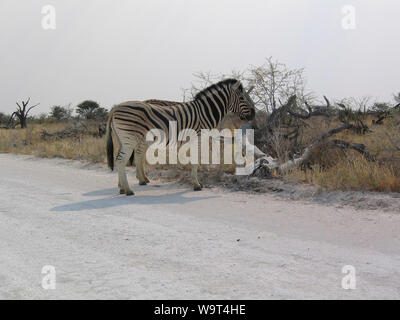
{"points": [[231, 121], [131, 121]]}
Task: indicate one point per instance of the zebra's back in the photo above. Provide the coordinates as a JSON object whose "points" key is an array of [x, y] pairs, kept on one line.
{"points": [[138, 117]]}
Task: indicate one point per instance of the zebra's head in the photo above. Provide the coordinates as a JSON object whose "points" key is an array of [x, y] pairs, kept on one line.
{"points": [[241, 103]]}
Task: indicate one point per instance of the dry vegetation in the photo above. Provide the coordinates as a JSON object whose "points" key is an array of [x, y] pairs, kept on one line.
{"points": [[329, 167], [32, 141], [336, 169]]}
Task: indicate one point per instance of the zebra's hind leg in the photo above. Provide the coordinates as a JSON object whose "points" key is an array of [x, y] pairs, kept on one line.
{"points": [[123, 155], [196, 184], [142, 167], [121, 190], [139, 162]]}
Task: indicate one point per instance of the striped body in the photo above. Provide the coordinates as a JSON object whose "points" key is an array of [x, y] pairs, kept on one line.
{"points": [[230, 121], [132, 120]]}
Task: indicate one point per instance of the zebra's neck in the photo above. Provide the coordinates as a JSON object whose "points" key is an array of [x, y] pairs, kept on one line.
{"points": [[208, 109], [208, 114]]}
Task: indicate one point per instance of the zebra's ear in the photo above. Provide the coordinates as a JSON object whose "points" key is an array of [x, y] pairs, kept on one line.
{"points": [[237, 86]]}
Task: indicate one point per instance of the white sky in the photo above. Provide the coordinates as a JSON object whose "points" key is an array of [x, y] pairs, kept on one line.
{"points": [[112, 51]]}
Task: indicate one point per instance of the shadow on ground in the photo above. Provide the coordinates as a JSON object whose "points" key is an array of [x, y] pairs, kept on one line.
{"points": [[114, 191], [114, 200]]}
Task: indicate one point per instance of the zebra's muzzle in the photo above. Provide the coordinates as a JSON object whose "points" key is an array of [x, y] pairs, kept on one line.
{"points": [[252, 114], [248, 116]]}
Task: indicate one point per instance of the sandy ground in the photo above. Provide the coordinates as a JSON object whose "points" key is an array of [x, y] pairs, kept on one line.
{"points": [[169, 242]]}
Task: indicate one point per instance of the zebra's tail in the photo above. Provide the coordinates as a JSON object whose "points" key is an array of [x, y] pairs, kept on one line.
{"points": [[132, 158], [110, 144]]}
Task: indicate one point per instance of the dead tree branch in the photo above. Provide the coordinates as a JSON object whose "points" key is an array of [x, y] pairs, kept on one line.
{"points": [[308, 150], [312, 112], [22, 113], [264, 166], [359, 147]]}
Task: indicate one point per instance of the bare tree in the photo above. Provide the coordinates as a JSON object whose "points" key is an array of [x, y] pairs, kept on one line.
{"points": [[360, 104], [274, 82], [22, 113]]}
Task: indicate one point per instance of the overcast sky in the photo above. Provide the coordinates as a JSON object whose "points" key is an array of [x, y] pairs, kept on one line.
{"points": [[113, 51]]}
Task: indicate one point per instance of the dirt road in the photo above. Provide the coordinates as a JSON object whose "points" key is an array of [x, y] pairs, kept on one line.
{"points": [[168, 242]]}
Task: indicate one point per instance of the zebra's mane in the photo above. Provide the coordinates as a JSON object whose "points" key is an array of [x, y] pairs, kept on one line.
{"points": [[214, 86]]}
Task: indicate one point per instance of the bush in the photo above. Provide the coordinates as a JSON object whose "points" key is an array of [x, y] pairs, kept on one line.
{"points": [[90, 110], [60, 113], [4, 119]]}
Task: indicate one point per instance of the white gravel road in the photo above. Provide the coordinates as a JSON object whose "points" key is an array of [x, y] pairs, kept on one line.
{"points": [[168, 242]]}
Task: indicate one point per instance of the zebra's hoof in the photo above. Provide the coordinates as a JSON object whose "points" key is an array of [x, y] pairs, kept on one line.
{"points": [[197, 188], [147, 180], [121, 191], [142, 183], [130, 193]]}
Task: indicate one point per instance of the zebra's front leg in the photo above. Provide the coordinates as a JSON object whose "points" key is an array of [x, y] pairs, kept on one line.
{"points": [[122, 158], [196, 184]]}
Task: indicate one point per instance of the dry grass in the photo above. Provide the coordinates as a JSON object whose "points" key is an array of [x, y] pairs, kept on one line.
{"points": [[29, 141], [336, 169], [351, 173]]}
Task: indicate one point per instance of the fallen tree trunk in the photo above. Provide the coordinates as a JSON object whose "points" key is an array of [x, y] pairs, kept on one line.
{"points": [[265, 166]]}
